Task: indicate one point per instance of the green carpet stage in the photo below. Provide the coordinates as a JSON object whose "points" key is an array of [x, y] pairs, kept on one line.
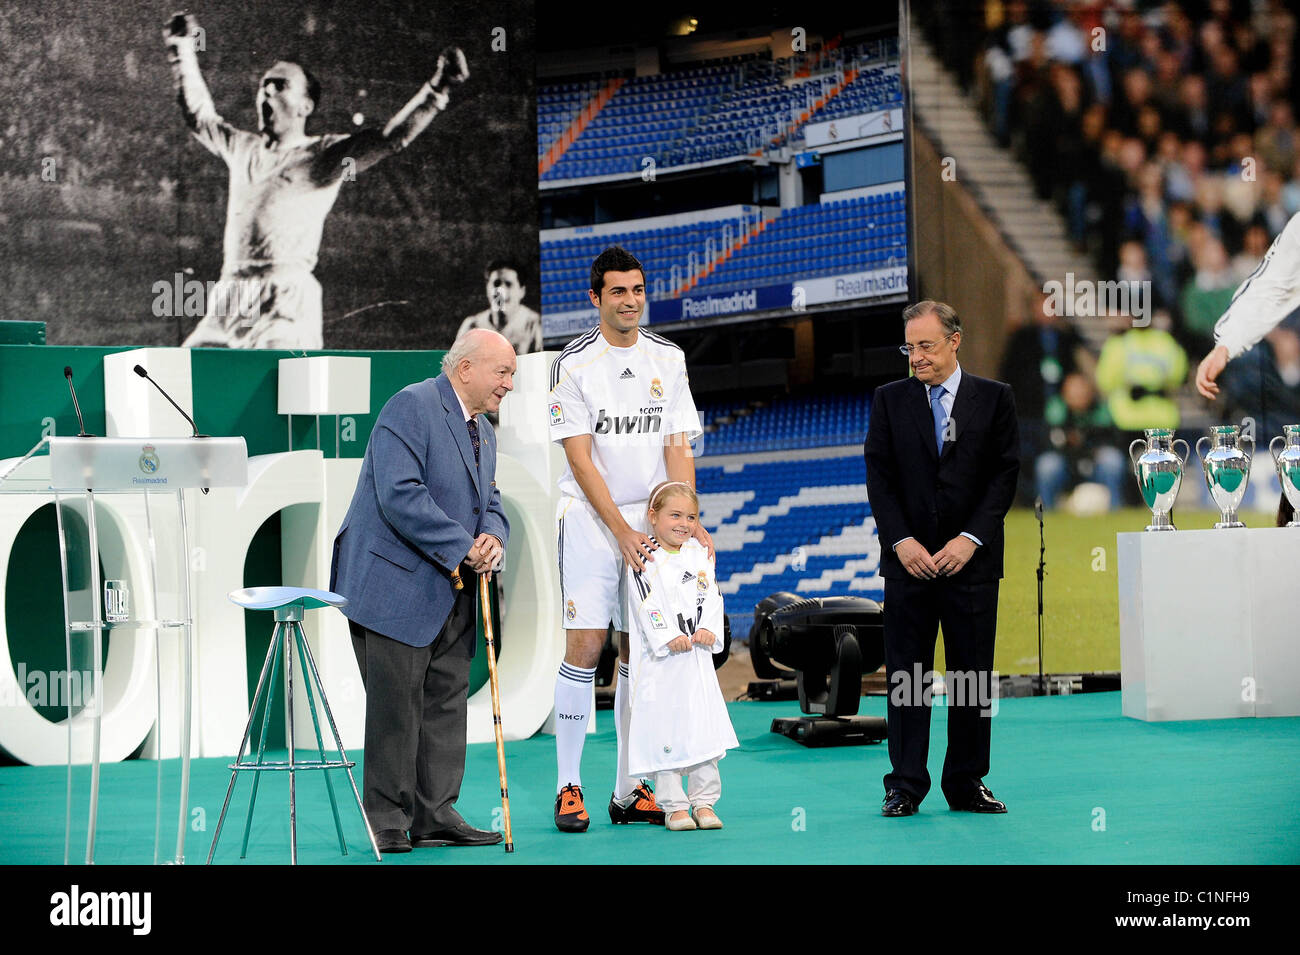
{"points": [[1083, 785]]}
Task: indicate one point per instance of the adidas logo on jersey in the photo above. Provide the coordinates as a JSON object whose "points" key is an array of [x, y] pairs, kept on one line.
{"points": [[627, 424], [627, 373], [687, 576]]}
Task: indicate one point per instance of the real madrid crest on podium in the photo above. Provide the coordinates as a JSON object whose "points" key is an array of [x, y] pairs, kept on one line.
{"points": [[149, 459]]}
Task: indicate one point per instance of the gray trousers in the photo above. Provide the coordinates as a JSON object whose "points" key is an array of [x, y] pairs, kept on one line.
{"points": [[415, 722]]}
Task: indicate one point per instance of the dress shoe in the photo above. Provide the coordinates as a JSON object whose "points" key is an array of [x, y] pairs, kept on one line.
{"points": [[898, 803], [980, 800], [461, 834], [392, 840]]}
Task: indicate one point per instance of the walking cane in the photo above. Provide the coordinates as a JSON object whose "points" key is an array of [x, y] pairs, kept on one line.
{"points": [[490, 639]]}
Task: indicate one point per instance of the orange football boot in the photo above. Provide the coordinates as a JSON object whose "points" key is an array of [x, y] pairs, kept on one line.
{"points": [[570, 813], [642, 809]]}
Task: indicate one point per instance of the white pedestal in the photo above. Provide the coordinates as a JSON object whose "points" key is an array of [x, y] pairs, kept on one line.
{"points": [[1208, 623], [133, 407], [324, 385]]}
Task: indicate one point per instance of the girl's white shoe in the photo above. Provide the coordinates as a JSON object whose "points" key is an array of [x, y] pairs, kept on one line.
{"points": [[706, 818], [679, 821]]}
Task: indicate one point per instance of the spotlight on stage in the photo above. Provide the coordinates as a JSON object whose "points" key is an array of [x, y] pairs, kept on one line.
{"points": [[827, 642]]}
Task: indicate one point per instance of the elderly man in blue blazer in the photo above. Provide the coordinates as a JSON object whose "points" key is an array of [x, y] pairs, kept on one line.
{"points": [[425, 510]]}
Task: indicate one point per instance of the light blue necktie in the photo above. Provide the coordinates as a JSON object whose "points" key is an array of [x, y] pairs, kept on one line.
{"points": [[940, 418]]}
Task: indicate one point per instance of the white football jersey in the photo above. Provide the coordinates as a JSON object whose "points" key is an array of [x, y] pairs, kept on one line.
{"points": [[630, 400], [1269, 294]]}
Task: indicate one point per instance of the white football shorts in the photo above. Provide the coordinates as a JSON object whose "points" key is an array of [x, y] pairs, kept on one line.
{"points": [[593, 588]]}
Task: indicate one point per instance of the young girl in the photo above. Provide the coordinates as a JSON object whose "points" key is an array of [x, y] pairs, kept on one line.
{"points": [[679, 721]]}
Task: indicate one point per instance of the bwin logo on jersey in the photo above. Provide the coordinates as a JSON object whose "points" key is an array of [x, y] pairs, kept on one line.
{"points": [[627, 424]]}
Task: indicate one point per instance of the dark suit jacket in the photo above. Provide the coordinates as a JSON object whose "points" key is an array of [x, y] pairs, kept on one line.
{"points": [[419, 505], [915, 492]]}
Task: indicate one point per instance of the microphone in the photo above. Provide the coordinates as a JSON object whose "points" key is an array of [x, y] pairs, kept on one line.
{"points": [[76, 405], [1038, 509], [139, 370]]}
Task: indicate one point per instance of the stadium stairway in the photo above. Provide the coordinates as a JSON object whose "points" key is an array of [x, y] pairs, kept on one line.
{"points": [[1031, 226], [580, 121]]}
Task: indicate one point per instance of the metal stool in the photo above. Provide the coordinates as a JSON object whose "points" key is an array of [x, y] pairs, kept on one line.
{"points": [[289, 604]]}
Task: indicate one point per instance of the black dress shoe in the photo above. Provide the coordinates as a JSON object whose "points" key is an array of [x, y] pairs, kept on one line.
{"points": [[461, 834], [980, 800], [392, 840], [898, 803]]}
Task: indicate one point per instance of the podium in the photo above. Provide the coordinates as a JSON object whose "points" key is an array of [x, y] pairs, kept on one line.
{"points": [[125, 563], [1207, 624]]}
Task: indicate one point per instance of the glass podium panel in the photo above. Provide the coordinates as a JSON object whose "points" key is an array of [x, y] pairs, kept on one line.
{"points": [[120, 692], [127, 642]]}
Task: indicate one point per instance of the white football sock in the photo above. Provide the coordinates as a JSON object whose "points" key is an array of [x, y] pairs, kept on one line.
{"points": [[624, 785], [573, 688]]}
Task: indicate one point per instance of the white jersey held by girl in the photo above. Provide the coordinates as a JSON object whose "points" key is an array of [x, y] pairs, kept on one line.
{"points": [[679, 718]]}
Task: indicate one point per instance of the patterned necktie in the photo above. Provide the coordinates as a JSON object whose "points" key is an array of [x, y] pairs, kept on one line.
{"points": [[473, 436], [940, 418]]}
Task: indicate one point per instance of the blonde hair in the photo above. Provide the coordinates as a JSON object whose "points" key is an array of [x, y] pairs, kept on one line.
{"points": [[662, 488]]}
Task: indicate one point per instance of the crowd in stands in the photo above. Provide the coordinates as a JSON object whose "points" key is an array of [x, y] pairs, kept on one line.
{"points": [[1165, 134]]}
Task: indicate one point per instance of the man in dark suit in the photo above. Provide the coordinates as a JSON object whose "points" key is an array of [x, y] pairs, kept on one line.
{"points": [[426, 510], [942, 462]]}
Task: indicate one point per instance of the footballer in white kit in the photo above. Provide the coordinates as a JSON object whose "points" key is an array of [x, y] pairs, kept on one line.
{"points": [[621, 407], [1261, 302], [629, 400]]}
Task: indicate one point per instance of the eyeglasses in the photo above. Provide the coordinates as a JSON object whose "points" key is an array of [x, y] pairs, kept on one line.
{"points": [[925, 348]]}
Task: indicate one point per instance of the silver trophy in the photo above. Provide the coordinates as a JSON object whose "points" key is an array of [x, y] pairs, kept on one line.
{"points": [[1287, 462], [1227, 470], [1159, 472]]}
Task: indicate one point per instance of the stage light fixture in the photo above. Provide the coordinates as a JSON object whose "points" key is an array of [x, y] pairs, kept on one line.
{"points": [[825, 643]]}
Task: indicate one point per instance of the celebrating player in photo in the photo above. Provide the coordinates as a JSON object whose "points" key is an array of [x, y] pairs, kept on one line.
{"points": [[679, 724], [283, 183], [620, 404]]}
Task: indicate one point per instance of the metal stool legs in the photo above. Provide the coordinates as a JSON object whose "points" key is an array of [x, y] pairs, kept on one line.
{"points": [[287, 635]]}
